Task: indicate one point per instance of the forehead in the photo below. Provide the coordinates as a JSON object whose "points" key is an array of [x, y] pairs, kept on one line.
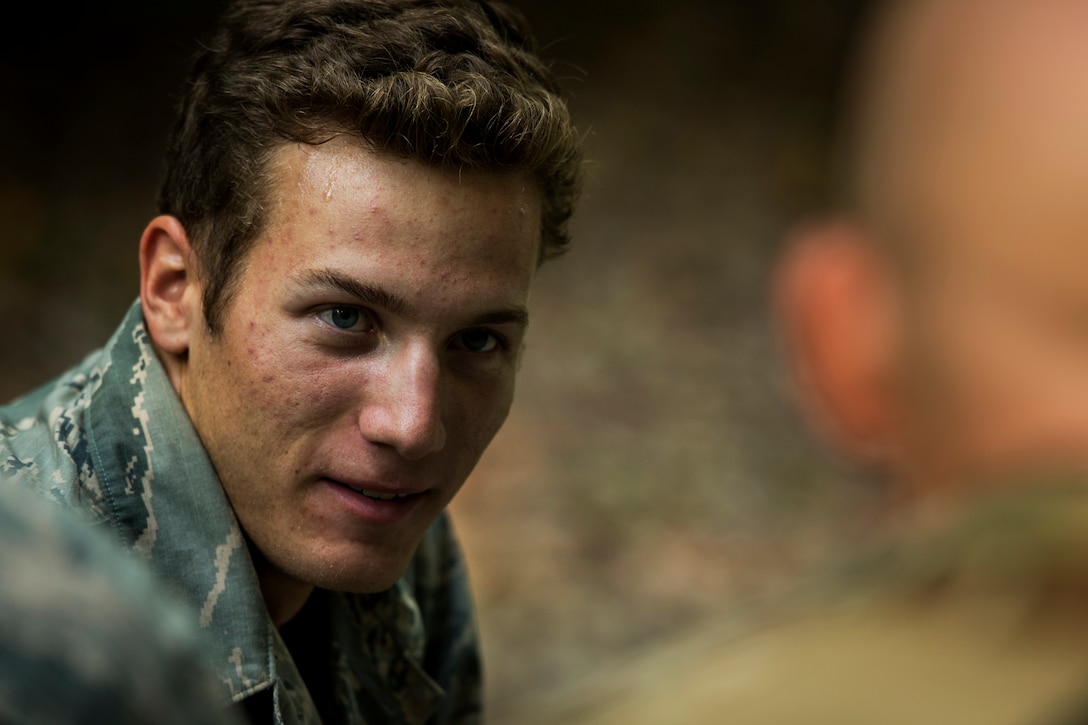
{"points": [[347, 167], [426, 232]]}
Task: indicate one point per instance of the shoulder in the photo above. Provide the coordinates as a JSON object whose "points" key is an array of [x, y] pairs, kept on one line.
{"points": [[95, 638], [47, 440], [977, 621], [43, 435], [847, 665]]}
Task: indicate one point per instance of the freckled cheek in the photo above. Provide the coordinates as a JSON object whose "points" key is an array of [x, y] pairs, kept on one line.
{"points": [[301, 398], [270, 383]]}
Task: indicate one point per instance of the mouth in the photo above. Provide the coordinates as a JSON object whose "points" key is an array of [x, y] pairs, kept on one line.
{"points": [[378, 495], [377, 491], [377, 502]]}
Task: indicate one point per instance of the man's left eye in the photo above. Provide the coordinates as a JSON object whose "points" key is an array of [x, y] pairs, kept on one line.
{"points": [[478, 341]]}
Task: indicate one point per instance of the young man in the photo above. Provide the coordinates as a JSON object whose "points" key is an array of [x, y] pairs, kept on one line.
{"points": [[331, 311]]}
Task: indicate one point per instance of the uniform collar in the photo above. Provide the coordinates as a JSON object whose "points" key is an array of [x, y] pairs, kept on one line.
{"points": [[165, 501]]}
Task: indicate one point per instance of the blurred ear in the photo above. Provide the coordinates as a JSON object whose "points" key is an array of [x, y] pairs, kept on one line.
{"points": [[168, 287], [836, 307]]}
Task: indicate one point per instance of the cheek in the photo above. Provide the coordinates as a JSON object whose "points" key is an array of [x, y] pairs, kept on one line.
{"points": [[288, 389], [479, 414], [987, 362]]}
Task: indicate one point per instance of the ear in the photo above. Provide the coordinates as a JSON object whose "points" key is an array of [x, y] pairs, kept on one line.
{"points": [[836, 306], [169, 292]]}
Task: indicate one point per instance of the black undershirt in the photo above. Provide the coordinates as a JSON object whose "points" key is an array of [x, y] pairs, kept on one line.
{"points": [[308, 637]]}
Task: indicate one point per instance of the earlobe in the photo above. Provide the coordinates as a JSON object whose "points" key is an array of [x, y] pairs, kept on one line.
{"points": [[168, 286], [835, 304]]}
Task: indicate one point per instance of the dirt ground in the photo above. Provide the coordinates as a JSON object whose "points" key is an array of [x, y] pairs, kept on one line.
{"points": [[654, 472]]}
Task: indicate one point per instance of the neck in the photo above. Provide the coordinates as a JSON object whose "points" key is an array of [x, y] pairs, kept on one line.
{"points": [[283, 595]]}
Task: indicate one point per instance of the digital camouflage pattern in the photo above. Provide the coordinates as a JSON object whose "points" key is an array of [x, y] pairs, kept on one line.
{"points": [[111, 438], [85, 634], [977, 617]]}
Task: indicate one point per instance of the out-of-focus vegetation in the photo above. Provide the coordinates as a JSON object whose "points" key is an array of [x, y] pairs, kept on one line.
{"points": [[653, 472]]}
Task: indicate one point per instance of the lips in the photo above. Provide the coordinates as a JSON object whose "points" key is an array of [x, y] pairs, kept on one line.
{"points": [[379, 495], [376, 492], [373, 502]]}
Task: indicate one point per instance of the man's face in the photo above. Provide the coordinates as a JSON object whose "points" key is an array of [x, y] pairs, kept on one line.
{"points": [[367, 357]]}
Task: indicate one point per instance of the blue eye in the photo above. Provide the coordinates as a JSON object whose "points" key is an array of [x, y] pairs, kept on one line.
{"points": [[478, 340], [344, 318]]}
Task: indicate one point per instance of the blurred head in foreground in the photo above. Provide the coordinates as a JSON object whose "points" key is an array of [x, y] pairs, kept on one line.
{"points": [[939, 323]]}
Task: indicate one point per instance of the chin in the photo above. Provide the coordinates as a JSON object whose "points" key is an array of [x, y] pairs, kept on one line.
{"points": [[370, 576]]}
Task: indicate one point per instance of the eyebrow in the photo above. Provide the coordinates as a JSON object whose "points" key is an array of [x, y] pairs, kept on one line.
{"points": [[513, 316], [371, 295], [378, 297]]}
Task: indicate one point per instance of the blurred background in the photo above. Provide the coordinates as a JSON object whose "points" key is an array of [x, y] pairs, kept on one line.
{"points": [[654, 474]]}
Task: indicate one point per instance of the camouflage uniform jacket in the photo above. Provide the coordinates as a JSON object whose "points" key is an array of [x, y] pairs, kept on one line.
{"points": [[86, 635], [111, 438]]}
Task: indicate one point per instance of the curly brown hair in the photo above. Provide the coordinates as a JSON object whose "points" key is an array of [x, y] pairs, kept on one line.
{"points": [[452, 83]]}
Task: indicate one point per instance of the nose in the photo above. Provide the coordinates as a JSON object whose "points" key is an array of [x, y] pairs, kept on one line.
{"points": [[402, 408]]}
